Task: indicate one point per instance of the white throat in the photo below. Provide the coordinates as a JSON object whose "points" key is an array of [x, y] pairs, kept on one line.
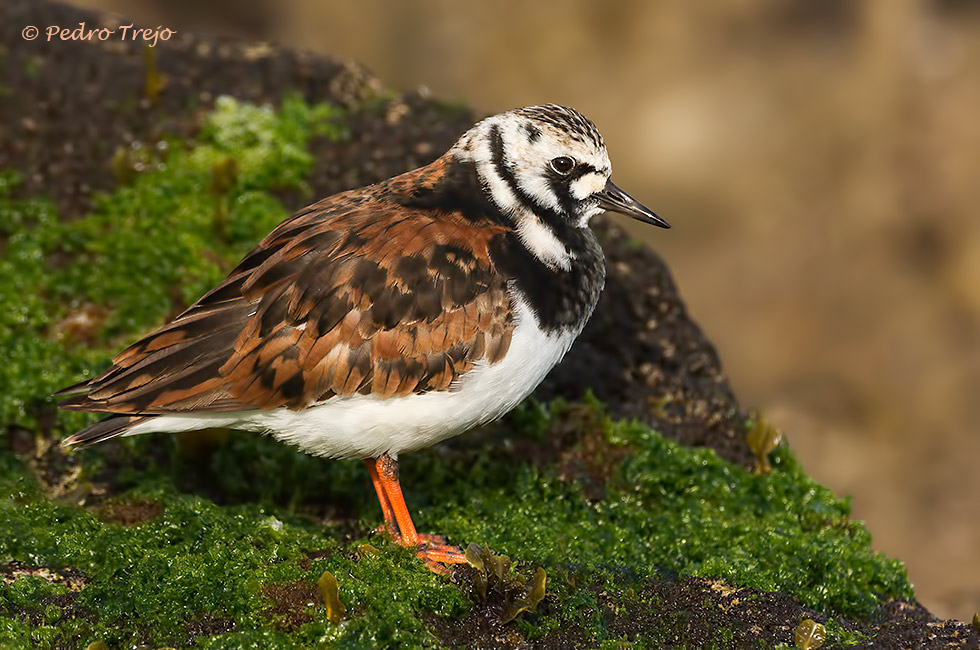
{"points": [[541, 241]]}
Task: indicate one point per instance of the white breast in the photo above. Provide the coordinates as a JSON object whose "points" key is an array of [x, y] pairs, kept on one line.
{"points": [[365, 427]]}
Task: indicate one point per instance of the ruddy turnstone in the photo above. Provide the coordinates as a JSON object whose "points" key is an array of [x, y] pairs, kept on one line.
{"points": [[387, 318]]}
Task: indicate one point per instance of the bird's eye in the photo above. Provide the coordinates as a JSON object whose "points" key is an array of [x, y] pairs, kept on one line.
{"points": [[563, 164]]}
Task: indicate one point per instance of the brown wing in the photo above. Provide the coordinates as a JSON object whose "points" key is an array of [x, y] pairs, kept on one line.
{"points": [[355, 294]]}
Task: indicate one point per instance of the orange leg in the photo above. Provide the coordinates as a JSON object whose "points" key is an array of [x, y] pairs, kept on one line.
{"points": [[432, 549], [387, 470], [389, 516], [432, 541]]}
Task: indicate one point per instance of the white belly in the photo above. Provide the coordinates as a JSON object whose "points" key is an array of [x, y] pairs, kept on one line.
{"points": [[362, 426]]}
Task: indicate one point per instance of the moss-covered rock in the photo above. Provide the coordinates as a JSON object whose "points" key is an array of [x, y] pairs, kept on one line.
{"points": [[230, 540]]}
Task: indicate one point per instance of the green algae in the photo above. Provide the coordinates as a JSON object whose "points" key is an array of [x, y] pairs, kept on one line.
{"points": [[249, 513], [72, 292], [670, 511], [838, 635], [685, 512]]}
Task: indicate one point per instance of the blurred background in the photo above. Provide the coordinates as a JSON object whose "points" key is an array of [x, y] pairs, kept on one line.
{"points": [[820, 163]]}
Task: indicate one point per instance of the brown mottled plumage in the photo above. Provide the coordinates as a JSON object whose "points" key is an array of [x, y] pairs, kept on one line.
{"points": [[354, 294]]}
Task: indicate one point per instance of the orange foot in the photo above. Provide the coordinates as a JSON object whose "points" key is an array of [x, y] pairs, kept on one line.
{"points": [[433, 550]]}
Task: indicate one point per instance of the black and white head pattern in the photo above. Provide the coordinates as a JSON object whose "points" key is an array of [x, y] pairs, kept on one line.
{"points": [[543, 166]]}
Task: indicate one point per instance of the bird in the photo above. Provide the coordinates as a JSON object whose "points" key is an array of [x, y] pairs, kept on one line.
{"points": [[385, 319]]}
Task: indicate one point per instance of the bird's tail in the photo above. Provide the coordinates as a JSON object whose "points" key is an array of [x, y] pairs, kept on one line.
{"points": [[112, 426]]}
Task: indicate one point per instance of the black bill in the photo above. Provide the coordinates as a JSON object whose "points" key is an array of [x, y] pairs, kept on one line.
{"points": [[616, 200]]}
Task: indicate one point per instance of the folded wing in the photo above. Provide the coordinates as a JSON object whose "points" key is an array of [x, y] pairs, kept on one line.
{"points": [[353, 295]]}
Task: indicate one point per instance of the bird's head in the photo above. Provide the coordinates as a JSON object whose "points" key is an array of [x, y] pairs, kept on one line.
{"points": [[547, 165]]}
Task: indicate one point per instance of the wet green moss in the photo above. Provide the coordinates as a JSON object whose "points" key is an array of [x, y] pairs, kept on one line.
{"points": [[669, 511], [840, 636], [72, 292], [675, 510], [244, 530]]}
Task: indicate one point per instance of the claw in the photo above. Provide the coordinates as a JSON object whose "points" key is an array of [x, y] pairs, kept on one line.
{"points": [[432, 538], [448, 555]]}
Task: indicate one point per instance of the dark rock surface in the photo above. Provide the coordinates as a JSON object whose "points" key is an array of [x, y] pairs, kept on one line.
{"points": [[641, 354]]}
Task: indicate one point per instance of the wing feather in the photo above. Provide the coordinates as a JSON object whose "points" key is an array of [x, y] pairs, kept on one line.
{"points": [[356, 294]]}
